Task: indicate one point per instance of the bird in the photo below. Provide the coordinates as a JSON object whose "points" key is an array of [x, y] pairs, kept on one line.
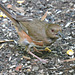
{"points": [[32, 31]]}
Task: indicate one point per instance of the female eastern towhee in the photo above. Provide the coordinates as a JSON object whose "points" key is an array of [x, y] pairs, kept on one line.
{"points": [[33, 32]]}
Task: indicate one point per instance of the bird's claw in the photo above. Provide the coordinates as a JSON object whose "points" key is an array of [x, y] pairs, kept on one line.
{"points": [[41, 60]]}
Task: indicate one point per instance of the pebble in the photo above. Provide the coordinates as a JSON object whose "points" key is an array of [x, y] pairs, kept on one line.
{"points": [[10, 34], [10, 58], [71, 70], [29, 66], [41, 71], [60, 73], [3, 30], [3, 25], [58, 11], [12, 66], [71, 4], [28, 62], [73, 34], [10, 71], [4, 1], [35, 68], [10, 45], [67, 24], [72, 65], [28, 70], [68, 37]]}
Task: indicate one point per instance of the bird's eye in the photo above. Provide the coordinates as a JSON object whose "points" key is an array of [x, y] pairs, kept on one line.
{"points": [[52, 30]]}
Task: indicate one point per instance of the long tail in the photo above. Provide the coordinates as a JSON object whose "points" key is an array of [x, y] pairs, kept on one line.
{"points": [[6, 12], [11, 16]]}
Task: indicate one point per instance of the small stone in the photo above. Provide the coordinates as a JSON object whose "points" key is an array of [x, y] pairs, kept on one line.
{"points": [[73, 34], [12, 66], [21, 58], [10, 71], [29, 66], [3, 30], [35, 68], [28, 62], [67, 24], [41, 71], [59, 11], [4, 1], [10, 34], [68, 37], [4, 19], [72, 65], [10, 45], [10, 58], [3, 25], [71, 71], [60, 73], [71, 4], [28, 70], [74, 5]]}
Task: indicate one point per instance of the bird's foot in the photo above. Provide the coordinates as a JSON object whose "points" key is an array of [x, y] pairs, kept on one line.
{"points": [[41, 60], [38, 51]]}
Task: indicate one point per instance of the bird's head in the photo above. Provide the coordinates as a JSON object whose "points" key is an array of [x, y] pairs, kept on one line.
{"points": [[53, 31]]}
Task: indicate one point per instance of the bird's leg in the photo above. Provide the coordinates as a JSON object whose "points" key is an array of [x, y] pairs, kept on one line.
{"points": [[35, 49], [41, 60], [23, 36], [46, 49], [41, 50]]}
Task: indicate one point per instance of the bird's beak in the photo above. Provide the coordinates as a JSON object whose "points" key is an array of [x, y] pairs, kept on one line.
{"points": [[61, 34]]}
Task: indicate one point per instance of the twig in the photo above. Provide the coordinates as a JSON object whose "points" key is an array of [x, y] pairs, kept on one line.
{"points": [[69, 60]]}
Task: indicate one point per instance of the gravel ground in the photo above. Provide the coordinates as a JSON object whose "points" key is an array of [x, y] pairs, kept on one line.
{"points": [[12, 61]]}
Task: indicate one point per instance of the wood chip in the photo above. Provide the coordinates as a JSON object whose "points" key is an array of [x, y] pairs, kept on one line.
{"points": [[44, 16], [27, 58], [73, 59]]}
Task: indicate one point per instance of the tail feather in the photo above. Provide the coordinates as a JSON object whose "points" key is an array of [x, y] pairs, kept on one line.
{"points": [[6, 12]]}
